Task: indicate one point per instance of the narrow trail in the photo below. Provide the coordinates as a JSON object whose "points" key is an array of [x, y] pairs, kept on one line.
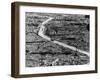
{"points": [[41, 33]]}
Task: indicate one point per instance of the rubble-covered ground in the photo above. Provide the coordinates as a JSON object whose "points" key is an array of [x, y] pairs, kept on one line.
{"points": [[67, 28]]}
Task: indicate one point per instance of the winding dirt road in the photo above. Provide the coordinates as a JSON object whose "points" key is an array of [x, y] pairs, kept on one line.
{"points": [[42, 34]]}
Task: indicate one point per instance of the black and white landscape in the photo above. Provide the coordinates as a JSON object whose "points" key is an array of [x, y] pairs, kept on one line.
{"points": [[54, 39]]}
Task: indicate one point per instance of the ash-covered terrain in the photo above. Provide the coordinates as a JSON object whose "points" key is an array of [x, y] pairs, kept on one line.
{"points": [[69, 29]]}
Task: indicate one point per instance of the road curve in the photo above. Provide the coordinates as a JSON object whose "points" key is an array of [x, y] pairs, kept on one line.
{"points": [[42, 29], [42, 34]]}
